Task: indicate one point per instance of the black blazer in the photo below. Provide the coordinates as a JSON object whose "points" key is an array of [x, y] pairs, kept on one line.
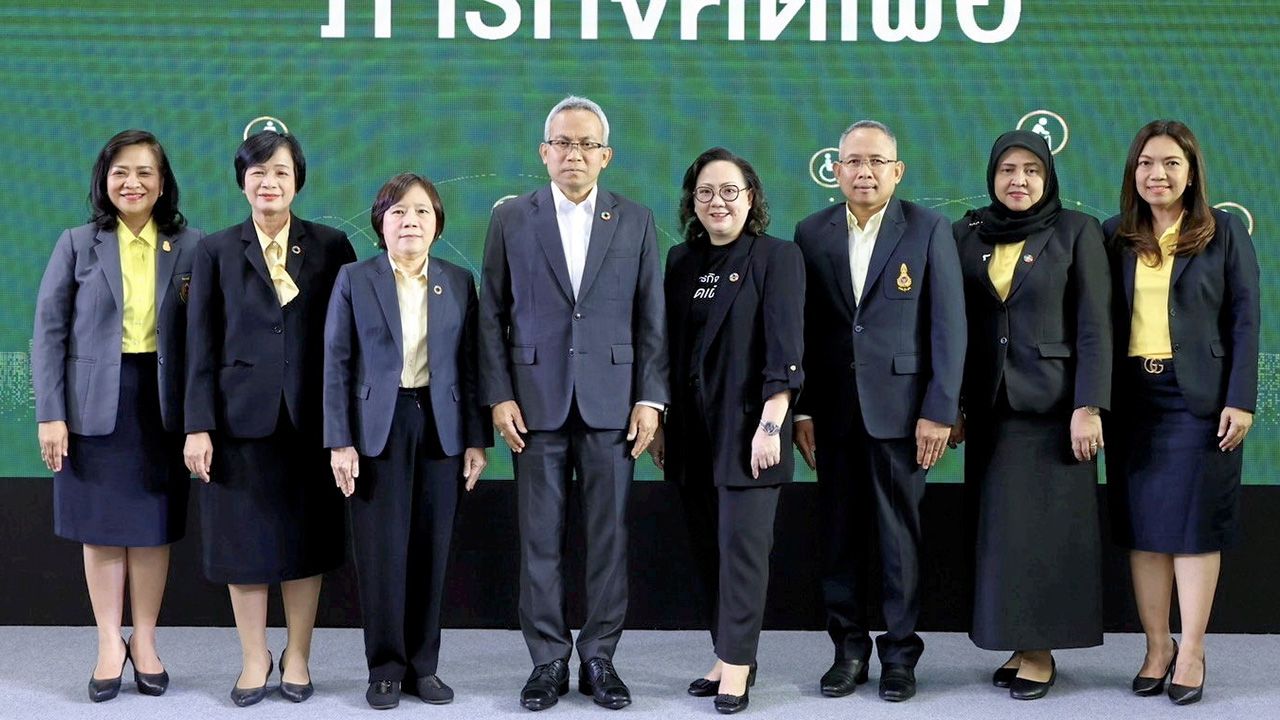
{"points": [[1050, 341], [239, 363], [900, 351], [1214, 316], [751, 349]]}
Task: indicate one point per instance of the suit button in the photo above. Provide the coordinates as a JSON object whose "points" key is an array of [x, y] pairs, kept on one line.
{"points": [[853, 366], [1176, 347], [1172, 312], [571, 351], [857, 328], [277, 329], [577, 316], [1004, 341], [160, 361], [792, 368]]}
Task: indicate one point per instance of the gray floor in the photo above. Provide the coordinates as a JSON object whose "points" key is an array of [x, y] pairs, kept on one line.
{"points": [[46, 671]]}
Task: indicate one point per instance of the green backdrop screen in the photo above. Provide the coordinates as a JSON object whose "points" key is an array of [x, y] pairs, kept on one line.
{"points": [[459, 89]]}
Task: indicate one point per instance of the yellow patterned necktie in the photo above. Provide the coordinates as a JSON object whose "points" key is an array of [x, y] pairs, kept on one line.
{"points": [[286, 290]]}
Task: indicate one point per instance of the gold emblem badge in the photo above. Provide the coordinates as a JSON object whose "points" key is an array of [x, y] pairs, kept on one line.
{"points": [[904, 279], [733, 277]]}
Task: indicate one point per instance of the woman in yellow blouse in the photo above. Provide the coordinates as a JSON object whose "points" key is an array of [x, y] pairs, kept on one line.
{"points": [[1186, 314], [107, 360]]}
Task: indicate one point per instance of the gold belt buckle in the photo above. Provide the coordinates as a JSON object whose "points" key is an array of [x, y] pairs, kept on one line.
{"points": [[1153, 366]]}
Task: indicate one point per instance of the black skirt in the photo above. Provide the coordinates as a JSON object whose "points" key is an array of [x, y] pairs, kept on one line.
{"points": [[128, 488], [271, 511], [1171, 489], [1038, 577]]}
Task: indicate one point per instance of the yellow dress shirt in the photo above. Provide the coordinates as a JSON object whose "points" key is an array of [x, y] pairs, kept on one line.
{"points": [[1004, 260], [411, 295], [273, 251], [138, 273], [1149, 328]]}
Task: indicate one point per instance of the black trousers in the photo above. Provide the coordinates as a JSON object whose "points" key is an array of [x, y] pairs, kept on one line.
{"points": [[731, 535], [870, 487], [602, 463], [402, 516]]}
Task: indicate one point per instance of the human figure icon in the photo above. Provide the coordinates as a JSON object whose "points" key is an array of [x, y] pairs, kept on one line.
{"points": [[270, 127], [827, 171], [1041, 128]]}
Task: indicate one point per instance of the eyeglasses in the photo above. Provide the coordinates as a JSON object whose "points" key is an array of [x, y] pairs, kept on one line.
{"points": [[564, 146], [728, 193], [875, 164]]}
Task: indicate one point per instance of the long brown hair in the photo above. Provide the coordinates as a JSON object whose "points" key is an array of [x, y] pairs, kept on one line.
{"points": [[1136, 222]]}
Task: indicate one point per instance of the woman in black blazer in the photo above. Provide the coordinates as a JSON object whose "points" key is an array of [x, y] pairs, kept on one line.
{"points": [[735, 300], [106, 361], [255, 340], [1037, 374], [1186, 314]]}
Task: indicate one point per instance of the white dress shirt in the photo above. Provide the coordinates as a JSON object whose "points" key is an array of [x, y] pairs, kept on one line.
{"points": [[411, 296], [575, 231], [862, 241]]}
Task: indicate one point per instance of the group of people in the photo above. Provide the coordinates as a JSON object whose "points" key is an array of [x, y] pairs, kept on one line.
{"points": [[881, 336]]}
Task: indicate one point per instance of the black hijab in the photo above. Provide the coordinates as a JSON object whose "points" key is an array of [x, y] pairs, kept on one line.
{"points": [[997, 223]]}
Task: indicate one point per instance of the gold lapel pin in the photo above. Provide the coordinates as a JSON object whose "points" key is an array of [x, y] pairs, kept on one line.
{"points": [[437, 290], [606, 216], [904, 279], [297, 250], [166, 246], [733, 277], [1028, 258]]}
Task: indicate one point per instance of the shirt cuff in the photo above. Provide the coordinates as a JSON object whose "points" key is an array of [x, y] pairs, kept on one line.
{"points": [[656, 406], [797, 418]]}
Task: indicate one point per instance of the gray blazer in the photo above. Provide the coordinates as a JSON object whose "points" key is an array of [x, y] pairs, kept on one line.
{"points": [[79, 327]]}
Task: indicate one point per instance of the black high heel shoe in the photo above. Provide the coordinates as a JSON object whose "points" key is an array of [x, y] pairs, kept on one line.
{"points": [[244, 697], [153, 684], [1187, 694], [103, 690], [293, 691], [1148, 686], [703, 687]]}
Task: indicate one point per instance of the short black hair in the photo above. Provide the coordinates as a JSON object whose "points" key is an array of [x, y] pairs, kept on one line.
{"points": [[259, 147], [103, 213], [393, 191], [757, 217]]}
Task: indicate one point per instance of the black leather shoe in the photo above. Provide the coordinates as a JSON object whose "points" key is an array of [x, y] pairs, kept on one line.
{"points": [[1003, 676], [1024, 689], [244, 697], [1148, 686], [730, 704], [103, 690], [431, 689], [703, 687], [293, 691], [153, 684], [545, 685], [897, 682], [597, 678], [1187, 694], [383, 694], [843, 677]]}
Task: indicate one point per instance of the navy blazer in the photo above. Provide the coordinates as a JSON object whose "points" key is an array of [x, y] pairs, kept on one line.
{"points": [[604, 350], [901, 349], [79, 328], [751, 349], [1049, 341], [246, 351], [364, 357], [1214, 316]]}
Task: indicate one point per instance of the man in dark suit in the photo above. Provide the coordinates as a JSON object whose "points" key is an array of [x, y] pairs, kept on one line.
{"points": [[884, 353], [573, 365]]}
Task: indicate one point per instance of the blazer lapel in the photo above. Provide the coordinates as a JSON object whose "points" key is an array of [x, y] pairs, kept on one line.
{"points": [[977, 255], [1128, 268], [732, 278], [886, 243], [1033, 247], [164, 266], [253, 253], [296, 251], [384, 287], [440, 306], [838, 254], [108, 253], [547, 230], [601, 237]]}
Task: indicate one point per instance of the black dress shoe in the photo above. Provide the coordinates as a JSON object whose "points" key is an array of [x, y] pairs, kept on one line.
{"points": [[597, 678], [843, 677], [244, 697], [730, 704], [431, 689], [1003, 676], [897, 682], [103, 690], [153, 684], [1187, 694], [383, 694], [545, 685], [703, 687], [1148, 686], [1024, 689], [293, 691]]}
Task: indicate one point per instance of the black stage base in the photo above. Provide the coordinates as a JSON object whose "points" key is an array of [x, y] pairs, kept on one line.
{"points": [[44, 580]]}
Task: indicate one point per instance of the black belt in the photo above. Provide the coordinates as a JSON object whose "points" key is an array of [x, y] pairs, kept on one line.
{"points": [[414, 392]]}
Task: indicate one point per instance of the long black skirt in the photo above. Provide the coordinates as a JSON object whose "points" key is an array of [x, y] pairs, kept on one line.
{"points": [[128, 488], [1038, 577], [271, 511]]}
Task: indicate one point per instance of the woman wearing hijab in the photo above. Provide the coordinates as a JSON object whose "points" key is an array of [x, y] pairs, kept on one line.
{"points": [[1037, 374], [1186, 317]]}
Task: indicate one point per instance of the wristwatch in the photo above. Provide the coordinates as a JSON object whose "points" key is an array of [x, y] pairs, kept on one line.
{"points": [[770, 428]]}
